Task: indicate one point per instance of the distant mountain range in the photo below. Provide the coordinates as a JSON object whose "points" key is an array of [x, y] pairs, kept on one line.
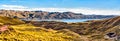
{"points": [[50, 15]]}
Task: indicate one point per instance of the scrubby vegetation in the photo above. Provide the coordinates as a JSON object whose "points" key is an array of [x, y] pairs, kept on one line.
{"points": [[26, 32], [18, 31], [7, 20], [12, 29], [91, 30]]}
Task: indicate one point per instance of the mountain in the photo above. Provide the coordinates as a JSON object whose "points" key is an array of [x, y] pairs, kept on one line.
{"points": [[49, 15], [92, 30]]}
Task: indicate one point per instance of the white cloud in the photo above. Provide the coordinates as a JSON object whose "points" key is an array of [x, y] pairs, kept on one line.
{"points": [[81, 10], [12, 6], [76, 10]]}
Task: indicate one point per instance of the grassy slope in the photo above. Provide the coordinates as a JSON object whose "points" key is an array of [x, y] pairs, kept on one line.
{"points": [[28, 32], [7, 20], [89, 31]]}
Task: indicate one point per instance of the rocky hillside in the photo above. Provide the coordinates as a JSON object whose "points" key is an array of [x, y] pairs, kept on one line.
{"points": [[49, 15]]}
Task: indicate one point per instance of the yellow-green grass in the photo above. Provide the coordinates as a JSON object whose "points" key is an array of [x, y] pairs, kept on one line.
{"points": [[27, 32], [7, 20]]}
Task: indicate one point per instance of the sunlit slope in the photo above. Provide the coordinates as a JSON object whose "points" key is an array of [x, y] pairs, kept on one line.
{"points": [[7, 20], [31, 33], [28, 32]]}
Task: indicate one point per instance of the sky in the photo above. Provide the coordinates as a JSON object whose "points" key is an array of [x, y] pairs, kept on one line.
{"points": [[98, 7]]}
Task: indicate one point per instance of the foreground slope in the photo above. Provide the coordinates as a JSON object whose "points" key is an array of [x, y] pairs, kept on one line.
{"points": [[16, 30]]}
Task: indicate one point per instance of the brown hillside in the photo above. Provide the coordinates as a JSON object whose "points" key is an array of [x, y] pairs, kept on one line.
{"points": [[49, 15], [98, 26], [106, 24]]}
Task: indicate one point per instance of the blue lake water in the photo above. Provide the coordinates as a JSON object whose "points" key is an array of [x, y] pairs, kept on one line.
{"points": [[64, 20], [77, 20]]}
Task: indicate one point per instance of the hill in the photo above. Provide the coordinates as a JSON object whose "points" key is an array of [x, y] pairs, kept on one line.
{"points": [[92, 30], [49, 15], [15, 30], [7, 21], [81, 28]]}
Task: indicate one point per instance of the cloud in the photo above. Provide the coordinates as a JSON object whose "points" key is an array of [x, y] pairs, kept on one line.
{"points": [[81, 10], [75, 10], [12, 6]]}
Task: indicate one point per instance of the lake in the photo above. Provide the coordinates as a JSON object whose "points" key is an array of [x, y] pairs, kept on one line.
{"points": [[77, 20], [61, 20]]}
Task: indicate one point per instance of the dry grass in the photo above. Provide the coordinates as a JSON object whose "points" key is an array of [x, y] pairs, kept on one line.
{"points": [[27, 32], [7, 20]]}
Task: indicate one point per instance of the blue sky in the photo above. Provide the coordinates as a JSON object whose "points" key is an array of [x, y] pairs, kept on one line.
{"points": [[104, 5]]}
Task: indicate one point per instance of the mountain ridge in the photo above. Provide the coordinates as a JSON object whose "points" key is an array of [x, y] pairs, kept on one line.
{"points": [[50, 15]]}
